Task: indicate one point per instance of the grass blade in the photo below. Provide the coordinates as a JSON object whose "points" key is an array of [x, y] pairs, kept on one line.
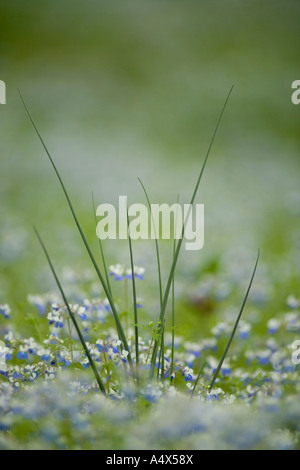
{"points": [[162, 354], [136, 328], [156, 245], [173, 327], [101, 249], [235, 327], [197, 379], [119, 327], [180, 241], [173, 306], [72, 316]]}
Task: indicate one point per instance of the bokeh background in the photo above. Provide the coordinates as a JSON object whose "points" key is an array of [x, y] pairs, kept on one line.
{"points": [[121, 90]]}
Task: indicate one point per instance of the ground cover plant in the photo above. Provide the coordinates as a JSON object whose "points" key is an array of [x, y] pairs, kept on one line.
{"points": [[98, 373]]}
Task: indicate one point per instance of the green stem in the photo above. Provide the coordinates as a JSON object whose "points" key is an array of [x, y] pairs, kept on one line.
{"points": [[70, 340], [120, 331], [126, 307], [101, 249], [136, 328], [235, 326], [197, 379], [180, 241], [72, 316]]}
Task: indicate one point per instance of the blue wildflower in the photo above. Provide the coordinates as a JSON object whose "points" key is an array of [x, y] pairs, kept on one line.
{"points": [[117, 272], [45, 357], [8, 355], [226, 371], [22, 355], [5, 310], [273, 326], [85, 364], [263, 357]]}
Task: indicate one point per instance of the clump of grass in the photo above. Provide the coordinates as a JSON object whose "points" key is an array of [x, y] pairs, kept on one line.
{"points": [[158, 346]]}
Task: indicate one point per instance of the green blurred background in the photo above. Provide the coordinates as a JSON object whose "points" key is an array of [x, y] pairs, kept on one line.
{"points": [[121, 89]]}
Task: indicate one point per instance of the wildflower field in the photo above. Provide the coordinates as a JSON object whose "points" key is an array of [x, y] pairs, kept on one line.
{"points": [[141, 344]]}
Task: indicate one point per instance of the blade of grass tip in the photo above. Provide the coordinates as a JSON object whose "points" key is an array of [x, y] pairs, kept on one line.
{"points": [[156, 245], [119, 327], [101, 248], [179, 244], [136, 328], [72, 316], [197, 379], [235, 326]]}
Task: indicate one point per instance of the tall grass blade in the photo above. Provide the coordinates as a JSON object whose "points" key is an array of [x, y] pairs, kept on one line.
{"points": [[119, 327], [235, 326], [161, 354], [136, 328], [173, 306], [180, 241], [101, 248], [156, 245], [72, 316]]}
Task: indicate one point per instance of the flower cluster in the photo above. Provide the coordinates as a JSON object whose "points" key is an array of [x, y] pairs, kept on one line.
{"points": [[119, 272], [39, 374]]}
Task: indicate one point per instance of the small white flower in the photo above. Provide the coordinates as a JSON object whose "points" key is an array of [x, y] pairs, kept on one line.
{"points": [[292, 302]]}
